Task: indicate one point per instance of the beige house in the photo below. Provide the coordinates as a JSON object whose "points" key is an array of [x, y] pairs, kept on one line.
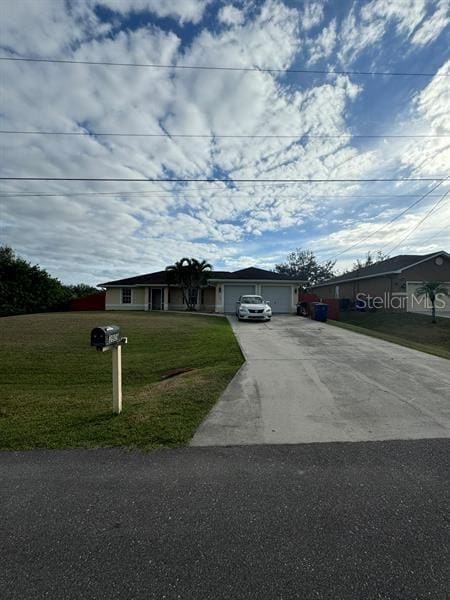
{"points": [[394, 280], [153, 292]]}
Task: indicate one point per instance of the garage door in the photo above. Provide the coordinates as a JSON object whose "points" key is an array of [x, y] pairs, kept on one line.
{"points": [[232, 294], [417, 303], [279, 297]]}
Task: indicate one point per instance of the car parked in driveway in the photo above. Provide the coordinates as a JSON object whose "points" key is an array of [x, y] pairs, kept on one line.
{"points": [[253, 308]]}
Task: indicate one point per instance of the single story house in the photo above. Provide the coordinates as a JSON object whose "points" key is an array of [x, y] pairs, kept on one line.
{"points": [[394, 280], [153, 291]]}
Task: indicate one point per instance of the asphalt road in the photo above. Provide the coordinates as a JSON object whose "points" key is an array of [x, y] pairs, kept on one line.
{"points": [[319, 521], [305, 381]]}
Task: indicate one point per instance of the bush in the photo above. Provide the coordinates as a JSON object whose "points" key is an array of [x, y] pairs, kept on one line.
{"points": [[25, 288]]}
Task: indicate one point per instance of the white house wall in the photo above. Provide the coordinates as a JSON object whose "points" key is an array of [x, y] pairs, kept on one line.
{"points": [[214, 296]]}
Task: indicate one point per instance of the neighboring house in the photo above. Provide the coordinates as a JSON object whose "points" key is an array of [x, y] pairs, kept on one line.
{"points": [[395, 280], [153, 292]]}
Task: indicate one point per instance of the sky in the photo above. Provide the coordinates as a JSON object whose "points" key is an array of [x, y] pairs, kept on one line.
{"points": [[89, 232]]}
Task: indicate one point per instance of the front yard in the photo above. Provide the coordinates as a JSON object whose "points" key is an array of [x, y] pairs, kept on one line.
{"points": [[408, 329], [56, 391]]}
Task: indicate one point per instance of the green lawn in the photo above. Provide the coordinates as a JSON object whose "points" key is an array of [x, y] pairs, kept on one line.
{"points": [[55, 390], [408, 329]]}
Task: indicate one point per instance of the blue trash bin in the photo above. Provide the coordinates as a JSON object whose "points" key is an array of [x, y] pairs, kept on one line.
{"points": [[320, 311]]}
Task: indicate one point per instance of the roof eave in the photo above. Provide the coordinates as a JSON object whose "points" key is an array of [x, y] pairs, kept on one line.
{"points": [[119, 285], [332, 281], [425, 260], [257, 280], [394, 272]]}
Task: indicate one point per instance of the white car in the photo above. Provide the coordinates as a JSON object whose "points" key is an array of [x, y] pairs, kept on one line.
{"points": [[253, 308]]}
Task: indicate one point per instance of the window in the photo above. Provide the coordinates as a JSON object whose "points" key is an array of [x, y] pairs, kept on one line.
{"points": [[193, 296], [126, 295]]}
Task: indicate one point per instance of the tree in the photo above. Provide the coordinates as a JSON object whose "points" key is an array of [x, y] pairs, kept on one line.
{"points": [[303, 265], [80, 290], [369, 260], [190, 274], [25, 288], [431, 289]]}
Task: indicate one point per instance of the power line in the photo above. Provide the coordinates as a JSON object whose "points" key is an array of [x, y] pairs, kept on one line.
{"points": [[219, 68], [429, 213], [435, 234], [225, 136], [392, 220], [169, 194], [218, 179]]}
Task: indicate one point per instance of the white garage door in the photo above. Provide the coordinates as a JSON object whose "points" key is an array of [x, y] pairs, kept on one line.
{"points": [[417, 303], [232, 293], [279, 297]]}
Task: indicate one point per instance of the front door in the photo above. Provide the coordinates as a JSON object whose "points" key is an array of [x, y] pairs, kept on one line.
{"points": [[155, 299]]}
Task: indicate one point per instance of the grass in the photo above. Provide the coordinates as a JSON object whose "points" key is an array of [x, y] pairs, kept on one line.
{"points": [[407, 329], [56, 391]]}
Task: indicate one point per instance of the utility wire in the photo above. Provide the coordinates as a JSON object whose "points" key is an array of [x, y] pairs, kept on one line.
{"points": [[391, 221], [213, 135], [435, 234], [218, 68], [429, 213], [11, 194], [218, 179]]}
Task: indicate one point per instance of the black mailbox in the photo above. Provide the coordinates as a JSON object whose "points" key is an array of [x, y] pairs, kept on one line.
{"points": [[107, 335]]}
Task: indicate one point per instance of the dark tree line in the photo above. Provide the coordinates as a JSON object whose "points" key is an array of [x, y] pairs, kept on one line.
{"points": [[303, 265], [27, 288]]}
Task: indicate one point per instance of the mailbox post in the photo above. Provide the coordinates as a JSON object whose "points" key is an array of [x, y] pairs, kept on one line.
{"points": [[117, 378], [108, 338]]}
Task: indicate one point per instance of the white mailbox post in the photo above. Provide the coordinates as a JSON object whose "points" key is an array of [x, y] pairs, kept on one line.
{"points": [[117, 378], [107, 338]]}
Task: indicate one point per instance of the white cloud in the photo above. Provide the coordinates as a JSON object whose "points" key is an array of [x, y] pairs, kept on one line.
{"points": [[367, 24], [433, 26], [182, 10], [311, 15], [165, 221], [231, 15], [46, 27], [323, 45]]}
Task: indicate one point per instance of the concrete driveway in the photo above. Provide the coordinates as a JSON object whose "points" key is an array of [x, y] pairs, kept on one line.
{"points": [[305, 381]]}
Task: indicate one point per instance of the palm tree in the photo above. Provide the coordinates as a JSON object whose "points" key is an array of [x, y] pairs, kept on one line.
{"points": [[200, 271], [190, 274], [431, 289]]}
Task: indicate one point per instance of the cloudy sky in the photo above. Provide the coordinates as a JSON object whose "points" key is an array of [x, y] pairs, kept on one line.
{"points": [[95, 231]]}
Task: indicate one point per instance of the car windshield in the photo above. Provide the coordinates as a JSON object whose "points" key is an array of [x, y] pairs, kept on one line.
{"points": [[251, 300]]}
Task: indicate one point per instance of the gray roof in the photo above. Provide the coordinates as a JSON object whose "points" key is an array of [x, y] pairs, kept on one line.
{"points": [[160, 277], [390, 265], [251, 274]]}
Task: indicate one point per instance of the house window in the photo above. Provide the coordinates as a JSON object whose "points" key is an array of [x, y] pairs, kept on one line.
{"points": [[193, 296], [126, 295]]}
